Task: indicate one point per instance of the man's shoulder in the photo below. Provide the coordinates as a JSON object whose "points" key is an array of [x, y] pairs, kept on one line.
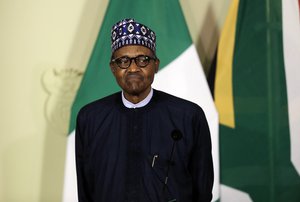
{"points": [[101, 104], [172, 100]]}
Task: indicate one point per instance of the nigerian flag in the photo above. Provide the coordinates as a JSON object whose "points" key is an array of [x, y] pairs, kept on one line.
{"points": [[258, 99], [180, 71]]}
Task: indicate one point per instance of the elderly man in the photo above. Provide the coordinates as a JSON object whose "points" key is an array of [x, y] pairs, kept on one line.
{"points": [[141, 144]]}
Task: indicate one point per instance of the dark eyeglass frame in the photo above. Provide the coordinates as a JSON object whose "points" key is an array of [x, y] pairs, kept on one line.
{"points": [[146, 59]]}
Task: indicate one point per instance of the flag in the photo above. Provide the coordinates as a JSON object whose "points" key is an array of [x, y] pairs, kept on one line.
{"points": [[180, 71], [256, 95]]}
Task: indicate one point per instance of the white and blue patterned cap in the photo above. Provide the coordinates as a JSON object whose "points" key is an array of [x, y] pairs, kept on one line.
{"points": [[130, 32]]}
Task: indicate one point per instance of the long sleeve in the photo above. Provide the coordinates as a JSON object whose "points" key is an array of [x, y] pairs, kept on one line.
{"points": [[82, 167], [201, 165]]}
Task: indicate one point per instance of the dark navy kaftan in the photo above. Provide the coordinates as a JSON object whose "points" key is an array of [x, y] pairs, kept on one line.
{"points": [[123, 154]]}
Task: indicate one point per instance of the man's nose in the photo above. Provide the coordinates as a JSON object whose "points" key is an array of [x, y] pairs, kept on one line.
{"points": [[133, 66]]}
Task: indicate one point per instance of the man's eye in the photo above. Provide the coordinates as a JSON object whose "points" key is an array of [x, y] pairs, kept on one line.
{"points": [[123, 60], [143, 59]]}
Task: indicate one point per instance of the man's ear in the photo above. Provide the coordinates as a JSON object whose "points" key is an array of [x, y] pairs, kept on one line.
{"points": [[157, 65], [112, 68]]}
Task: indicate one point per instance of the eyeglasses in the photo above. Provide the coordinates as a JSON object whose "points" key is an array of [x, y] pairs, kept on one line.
{"points": [[140, 61]]}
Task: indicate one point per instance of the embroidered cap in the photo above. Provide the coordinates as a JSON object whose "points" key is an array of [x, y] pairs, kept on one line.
{"points": [[130, 32]]}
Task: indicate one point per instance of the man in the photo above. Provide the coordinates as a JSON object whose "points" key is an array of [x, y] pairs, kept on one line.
{"points": [[141, 144]]}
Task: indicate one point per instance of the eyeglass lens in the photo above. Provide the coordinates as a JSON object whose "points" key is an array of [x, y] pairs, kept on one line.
{"points": [[140, 61]]}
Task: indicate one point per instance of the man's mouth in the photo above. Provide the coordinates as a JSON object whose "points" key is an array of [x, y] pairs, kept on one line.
{"points": [[134, 76]]}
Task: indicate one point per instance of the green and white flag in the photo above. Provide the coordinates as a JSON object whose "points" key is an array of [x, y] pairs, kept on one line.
{"points": [[180, 71], [258, 99]]}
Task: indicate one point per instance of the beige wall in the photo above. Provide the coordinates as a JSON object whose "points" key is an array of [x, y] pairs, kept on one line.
{"points": [[44, 48]]}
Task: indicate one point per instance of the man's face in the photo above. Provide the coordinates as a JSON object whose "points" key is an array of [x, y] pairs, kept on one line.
{"points": [[135, 80]]}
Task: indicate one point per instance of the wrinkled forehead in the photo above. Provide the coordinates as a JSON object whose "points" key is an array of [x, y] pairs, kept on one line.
{"points": [[132, 51]]}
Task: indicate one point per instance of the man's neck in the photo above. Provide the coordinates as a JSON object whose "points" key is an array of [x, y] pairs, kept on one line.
{"points": [[142, 102], [136, 98]]}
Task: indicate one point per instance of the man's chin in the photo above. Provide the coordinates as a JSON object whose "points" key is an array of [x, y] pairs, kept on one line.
{"points": [[134, 92], [134, 89]]}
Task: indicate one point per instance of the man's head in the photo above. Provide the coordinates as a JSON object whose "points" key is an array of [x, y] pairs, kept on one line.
{"points": [[133, 60]]}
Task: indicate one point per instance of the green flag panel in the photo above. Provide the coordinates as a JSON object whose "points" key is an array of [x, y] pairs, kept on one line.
{"points": [[255, 155]]}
